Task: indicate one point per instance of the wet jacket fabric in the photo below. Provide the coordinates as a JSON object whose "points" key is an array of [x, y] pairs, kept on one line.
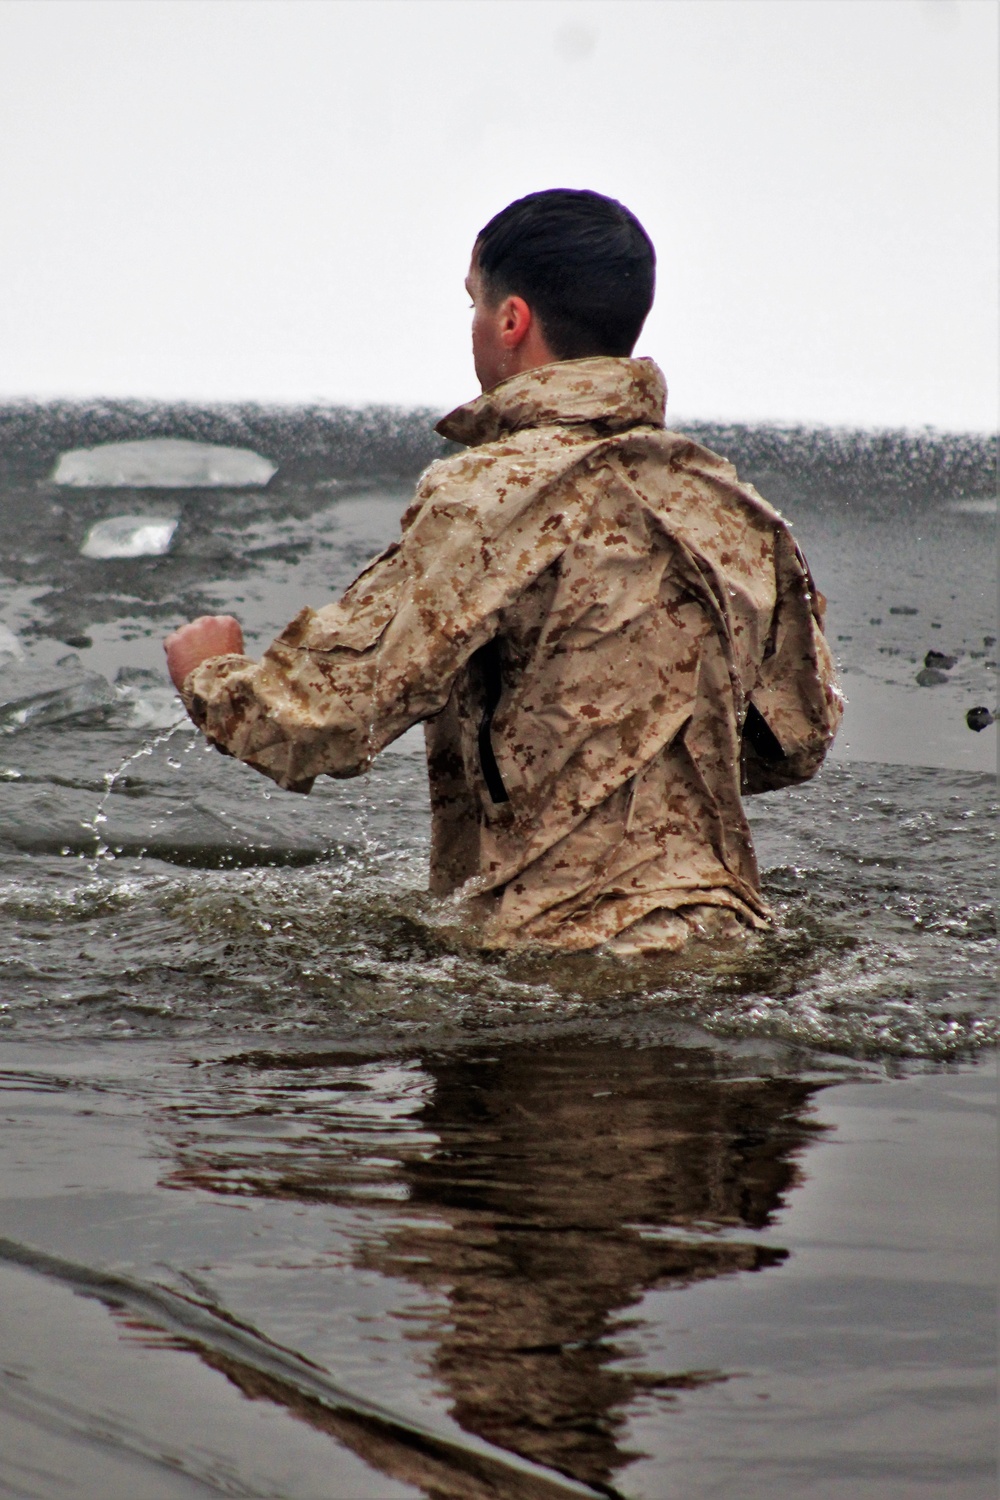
{"points": [[606, 636]]}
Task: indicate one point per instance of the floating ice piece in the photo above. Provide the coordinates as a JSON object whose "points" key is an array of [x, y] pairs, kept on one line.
{"points": [[130, 536], [9, 643], [148, 699], [31, 697], [985, 506], [162, 463]]}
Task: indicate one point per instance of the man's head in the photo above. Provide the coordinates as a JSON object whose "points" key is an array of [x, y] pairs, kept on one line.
{"points": [[558, 275]]}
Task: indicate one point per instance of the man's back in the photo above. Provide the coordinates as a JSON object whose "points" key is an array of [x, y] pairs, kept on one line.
{"points": [[582, 609]]}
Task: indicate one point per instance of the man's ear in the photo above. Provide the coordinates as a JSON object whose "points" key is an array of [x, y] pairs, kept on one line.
{"points": [[514, 321]]}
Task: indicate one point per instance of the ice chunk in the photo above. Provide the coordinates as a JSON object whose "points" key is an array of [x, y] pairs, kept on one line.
{"points": [[148, 699], [9, 644], [130, 536], [162, 463], [986, 506], [33, 696]]}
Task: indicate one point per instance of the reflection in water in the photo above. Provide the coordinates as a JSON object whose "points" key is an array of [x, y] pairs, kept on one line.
{"points": [[539, 1192]]}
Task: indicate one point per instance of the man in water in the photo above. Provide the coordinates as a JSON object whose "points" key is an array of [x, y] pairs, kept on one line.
{"points": [[604, 633]]}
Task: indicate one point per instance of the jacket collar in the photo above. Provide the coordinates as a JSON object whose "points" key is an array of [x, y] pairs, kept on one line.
{"points": [[603, 392]]}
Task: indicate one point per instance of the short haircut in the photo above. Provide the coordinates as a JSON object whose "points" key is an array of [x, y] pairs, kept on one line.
{"points": [[582, 262]]}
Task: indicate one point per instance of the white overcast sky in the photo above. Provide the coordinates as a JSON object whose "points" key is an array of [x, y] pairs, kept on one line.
{"points": [[276, 199]]}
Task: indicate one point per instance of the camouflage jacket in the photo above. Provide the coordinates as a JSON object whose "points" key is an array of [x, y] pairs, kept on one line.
{"points": [[604, 634]]}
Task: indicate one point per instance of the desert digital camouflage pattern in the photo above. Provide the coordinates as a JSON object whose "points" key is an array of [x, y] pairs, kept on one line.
{"points": [[604, 634]]}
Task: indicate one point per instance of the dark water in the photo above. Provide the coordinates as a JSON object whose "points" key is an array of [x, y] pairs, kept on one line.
{"points": [[304, 1196]]}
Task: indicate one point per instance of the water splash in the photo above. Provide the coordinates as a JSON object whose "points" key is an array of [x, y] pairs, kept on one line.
{"points": [[103, 853]]}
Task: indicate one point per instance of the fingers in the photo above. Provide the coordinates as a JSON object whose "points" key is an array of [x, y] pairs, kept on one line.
{"points": [[191, 644], [225, 628]]}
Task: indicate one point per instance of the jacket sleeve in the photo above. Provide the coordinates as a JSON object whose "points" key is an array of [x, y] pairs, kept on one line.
{"points": [[795, 708], [341, 682]]}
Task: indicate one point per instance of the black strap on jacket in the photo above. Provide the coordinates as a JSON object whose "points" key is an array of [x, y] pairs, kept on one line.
{"points": [[487, 660]]}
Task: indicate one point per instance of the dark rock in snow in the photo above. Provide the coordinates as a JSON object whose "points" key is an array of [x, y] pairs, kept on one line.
{"points": [[979, 718], [931, 677], [941, 660]]}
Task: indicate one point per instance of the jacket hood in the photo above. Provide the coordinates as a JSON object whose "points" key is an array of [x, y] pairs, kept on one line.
{"points": [[603, 392]]}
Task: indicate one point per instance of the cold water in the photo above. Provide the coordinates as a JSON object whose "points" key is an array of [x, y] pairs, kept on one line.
{"points": [[304, 1195]]}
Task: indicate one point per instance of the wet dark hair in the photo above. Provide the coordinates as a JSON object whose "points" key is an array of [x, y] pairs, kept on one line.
{"points": [[582, 262]]}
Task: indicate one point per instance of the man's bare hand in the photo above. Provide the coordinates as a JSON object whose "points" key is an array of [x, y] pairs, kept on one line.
{"points": [[209, 635]]}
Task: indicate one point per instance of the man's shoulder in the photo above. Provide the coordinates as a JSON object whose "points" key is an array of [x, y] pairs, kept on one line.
{"points": [[693, 464], [671, 466], [529, 457]]}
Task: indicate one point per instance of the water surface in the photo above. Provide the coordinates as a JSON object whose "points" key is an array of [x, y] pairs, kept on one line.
{"points": [[303, 1195]]}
